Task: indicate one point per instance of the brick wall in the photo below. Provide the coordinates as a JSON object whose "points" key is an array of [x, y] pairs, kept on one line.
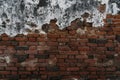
{"points": [[73, 53]]}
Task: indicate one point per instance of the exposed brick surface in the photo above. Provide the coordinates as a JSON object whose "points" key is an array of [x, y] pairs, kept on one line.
{"points": [[63, 54]]}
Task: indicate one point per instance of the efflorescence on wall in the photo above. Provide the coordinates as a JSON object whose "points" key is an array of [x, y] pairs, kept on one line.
{"points": [[78, 52]]}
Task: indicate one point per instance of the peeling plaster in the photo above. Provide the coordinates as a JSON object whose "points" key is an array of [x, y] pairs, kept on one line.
{"points": [[18, 15]]}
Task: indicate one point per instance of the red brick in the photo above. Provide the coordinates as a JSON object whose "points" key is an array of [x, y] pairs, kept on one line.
{"points": [[1, 51], [5, 38], [69, 52], [32, 39], [110, 16], [63, 40], [21, 39], [42, 69], [33, 35], [83, 48], [94, 69], [63, 48], [62, 68], [101, 48], [22, 43], [82, 36], [42, 39], [117, 16], [116, 20], [116, 29], [24, 72], [112, 37], [32, 43], [43, 47], [101, 33], [71, 57], [12, 68], [72, 32], [109, 44], [31, 52], [52, 43], [32, 48], [14, 72], [110, 69], [2, 47], [4, 35], [81, 56], [73, 69], [62, 56], [70, 61], [92, 44], [83, 40], [53, 35], [93, 77], [5, 72]]}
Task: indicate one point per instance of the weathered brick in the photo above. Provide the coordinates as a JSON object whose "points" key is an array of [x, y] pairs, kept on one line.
{"points": [[12, 77], [42, 56], [62, 56], [42, 39], [32, 39], [83, 48], [33, 35], [54, 78], [102, 41], [3, 47], [52, 43], [43, 47], [53, 36], [110, 56], [21, 57], [31, 52], [92, 40], [32, 43], [11, 68], [73, 69], [32, 48], [5, 38], [52, 68], [21, 39], [4, 35], [91, 56], [111, 48], [118, 38], [63, 48], [22, 48], [62, 39]]}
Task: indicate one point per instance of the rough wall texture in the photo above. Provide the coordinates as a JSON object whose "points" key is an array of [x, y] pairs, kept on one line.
{"points": [[75, 53]]}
